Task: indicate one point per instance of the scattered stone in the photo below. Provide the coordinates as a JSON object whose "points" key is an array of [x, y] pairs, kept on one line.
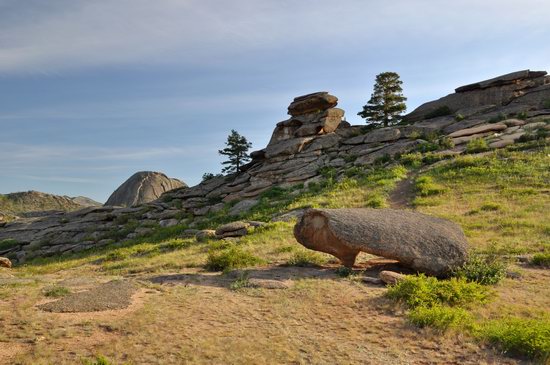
{"points": [[5, 262], [168, 222], [418, 241], [233, 229], [390, 277], [205, 234]]}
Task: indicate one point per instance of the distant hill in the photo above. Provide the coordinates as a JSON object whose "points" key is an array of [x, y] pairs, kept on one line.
{"points": [[31, 203]]}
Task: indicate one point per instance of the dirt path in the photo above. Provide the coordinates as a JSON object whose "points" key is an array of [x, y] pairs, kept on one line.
{"points": [[403, 194]]}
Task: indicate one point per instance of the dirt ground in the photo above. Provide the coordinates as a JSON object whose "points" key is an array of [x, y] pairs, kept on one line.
{"points": [[195, 317]]}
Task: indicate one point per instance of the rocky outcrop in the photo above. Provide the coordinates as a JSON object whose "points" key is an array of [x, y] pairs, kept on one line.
{"points": [[32, 203], [5, 262], [143, 187], [517, 91], [313, 141], [418, 241]]}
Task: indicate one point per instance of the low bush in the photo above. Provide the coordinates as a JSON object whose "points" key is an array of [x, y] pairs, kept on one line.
{"points": [[490, 207], [477, 145], [412, 159], [497, 118], [230, 258], [304, 258], [518, 336], [541, 259], [241, 282], [6, 244], [56, 291], [425, 186], [446, 142], [424, 291], [546, 104], [486, 270], [459, 117], [439, 317], [375, 201]]}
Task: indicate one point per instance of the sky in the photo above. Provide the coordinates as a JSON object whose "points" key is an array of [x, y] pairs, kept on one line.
{"points": [[94, 91]]}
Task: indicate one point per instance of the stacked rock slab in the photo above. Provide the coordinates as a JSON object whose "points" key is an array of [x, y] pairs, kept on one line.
{"points": [[313, 139]]}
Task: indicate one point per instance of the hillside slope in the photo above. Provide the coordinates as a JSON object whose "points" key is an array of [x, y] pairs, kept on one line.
{"points": [[34, 201]]}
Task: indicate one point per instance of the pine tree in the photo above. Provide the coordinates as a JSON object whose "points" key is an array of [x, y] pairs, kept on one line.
{"points": [[237, 152], [387, 102]]}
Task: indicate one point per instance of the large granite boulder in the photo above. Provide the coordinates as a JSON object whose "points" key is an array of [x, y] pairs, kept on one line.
{"points": [[421, 242], [143, 187], [311, 103]]}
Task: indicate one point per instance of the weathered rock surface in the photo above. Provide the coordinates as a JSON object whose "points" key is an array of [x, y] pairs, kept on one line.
{"points": [[421, 242], [5, 262], [233, 229], [143, 187], [390, 277]]}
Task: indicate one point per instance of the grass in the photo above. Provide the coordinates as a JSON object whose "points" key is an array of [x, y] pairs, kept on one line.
{"points": [[541, 259], [230, 258], [485, 270], [477, 145], [425, 186], [424, 291], [56, 292], [440, 317], [519, 336], [306, 258]]}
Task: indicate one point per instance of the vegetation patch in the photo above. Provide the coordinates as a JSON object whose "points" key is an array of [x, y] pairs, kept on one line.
{"points": [[442, 111], [439, 317], [425, 186], [56, 292], [7, 244], [541, 259], [231, 258], [477, 145], [518, 336], [485, 270], [426, 291], [307, 258]]}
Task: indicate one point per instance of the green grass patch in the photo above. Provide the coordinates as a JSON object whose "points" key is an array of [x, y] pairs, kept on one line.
{"points": [[7, 244], [541, 259], [477, 145], [425, 186], [305, 258], [231, 258], [440, 317], [485, 270], [56, 292], [427, 291], [518, 336]]}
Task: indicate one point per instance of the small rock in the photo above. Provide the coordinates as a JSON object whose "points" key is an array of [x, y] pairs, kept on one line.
{"points": [[256, 223], [205, 234], [269, 284], [168, 222], [390, 277], [5, 262], [233, 229]]}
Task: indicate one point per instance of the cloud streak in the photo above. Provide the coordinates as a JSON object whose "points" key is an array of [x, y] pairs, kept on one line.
{"points": [[67, 34]]}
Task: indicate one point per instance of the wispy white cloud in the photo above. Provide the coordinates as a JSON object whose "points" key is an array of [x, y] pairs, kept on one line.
{"points": [[79, 33]]}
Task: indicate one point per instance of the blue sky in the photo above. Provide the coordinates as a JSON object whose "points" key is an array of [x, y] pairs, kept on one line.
{"points": [[93, 91]]}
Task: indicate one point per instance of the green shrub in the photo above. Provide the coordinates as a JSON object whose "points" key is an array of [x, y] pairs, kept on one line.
{"points": [[7, 244], [439, 112], [425, 186], [439, 317], [477, 145], [304, 258], [446, 142], [275, 192], [490, 207], [56, 291], [527, 337], [344, 271], [541, 259], [423, 291], [498, 118], [427, 147], [231, 258], [459, 117], [522, 115], [382, 159], [486, 270], [546, 104], [100, 360], [375, 201], [412, 159]]}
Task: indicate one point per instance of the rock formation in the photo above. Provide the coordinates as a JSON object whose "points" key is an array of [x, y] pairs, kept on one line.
{"points": [[423, 243], [314, 138], [35, 203], [143, 187]]}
